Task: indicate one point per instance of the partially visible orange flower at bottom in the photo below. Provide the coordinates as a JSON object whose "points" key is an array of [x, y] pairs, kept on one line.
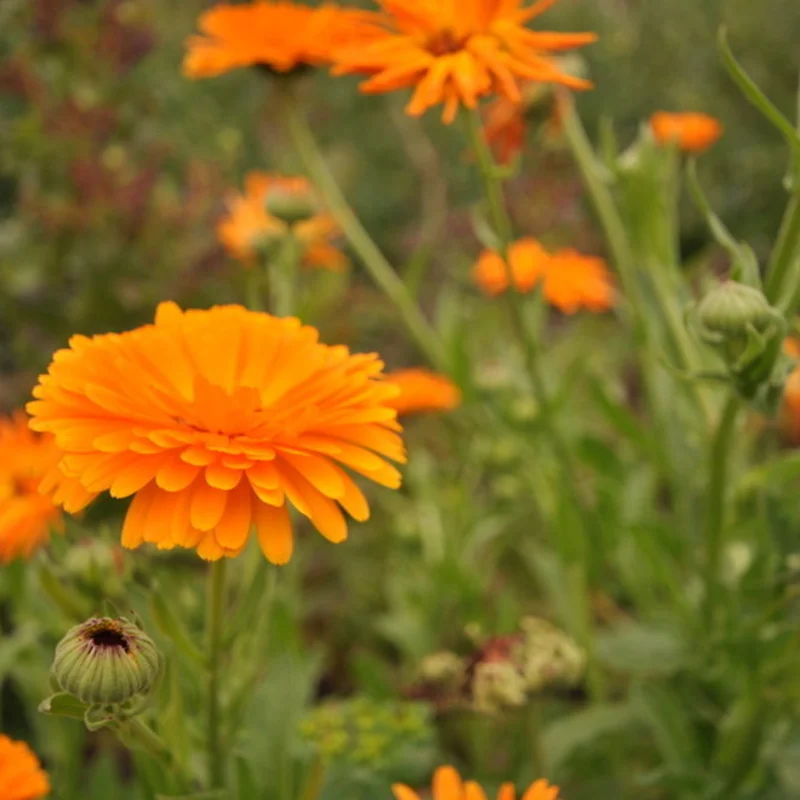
{"points": [[423, 390], [790, 409], [27, 515], [21, 775], [570, 280], [691, 131], [447, 785]]}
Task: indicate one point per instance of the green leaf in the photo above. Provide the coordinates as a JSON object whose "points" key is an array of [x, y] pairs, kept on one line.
{"points": [[63, 704], [171, 627], [756, 97], [635, 649], [564, 737], [70, 603], [96, 717], [662, 710]]}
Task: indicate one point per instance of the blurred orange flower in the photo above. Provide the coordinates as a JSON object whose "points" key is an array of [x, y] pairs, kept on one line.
{"points": [[272, 207], [570, 280], [691, 131], [456, 51], [27, 515], [423, 390], [447, 785], [790, 409], [216, 421], [280, 35], [21, 775]]}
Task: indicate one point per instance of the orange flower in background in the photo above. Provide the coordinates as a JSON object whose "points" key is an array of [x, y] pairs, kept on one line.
{"points": [[279, 35], [273, 207], [21, 775], [454, 52], [570, 280], [216, 421], [27, 515], [692, 132], [423, 390], [504, 129], [789, 418], [447, 785]]}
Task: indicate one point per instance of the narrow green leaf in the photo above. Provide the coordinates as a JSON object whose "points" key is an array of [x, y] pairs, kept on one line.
{"points": [[170, 626]]}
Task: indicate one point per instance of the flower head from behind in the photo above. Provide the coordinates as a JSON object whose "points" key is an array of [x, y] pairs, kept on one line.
{"points": [[272, 208], [454, 52], [216, 421], [27, 461], [21, 775], [447, 785], [277, 34], [423, 390], [692, 132]]}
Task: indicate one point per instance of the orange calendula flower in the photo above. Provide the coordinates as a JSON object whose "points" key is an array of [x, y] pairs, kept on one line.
{"points": [[26, 515], [423, 390], [447, 785], [570, 280], [456, 51], [273, 207], [21, 775], [279, 35], [789, 418], [690, 131], [215, 421]]}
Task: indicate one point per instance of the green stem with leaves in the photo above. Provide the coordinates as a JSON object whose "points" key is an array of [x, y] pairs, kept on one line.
{"points": [[214, 620], [715, 502], [372, 258]]}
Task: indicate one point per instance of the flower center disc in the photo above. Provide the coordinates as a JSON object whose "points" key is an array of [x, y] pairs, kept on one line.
{"points": [[445, 42], [108, 637]]}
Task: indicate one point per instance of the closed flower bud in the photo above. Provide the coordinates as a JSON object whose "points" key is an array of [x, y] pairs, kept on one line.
{"points": [[497, 685], [727, 311], [291, 200], [106, 661]]}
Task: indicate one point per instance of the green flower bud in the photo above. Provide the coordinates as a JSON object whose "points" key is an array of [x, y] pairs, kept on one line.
{"points": [[726, 313], [291, 200], [105, 661]]}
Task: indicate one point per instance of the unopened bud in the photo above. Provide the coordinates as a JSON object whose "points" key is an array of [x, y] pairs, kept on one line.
{"points": [[105, 661], [291, 200], [728, 310]]}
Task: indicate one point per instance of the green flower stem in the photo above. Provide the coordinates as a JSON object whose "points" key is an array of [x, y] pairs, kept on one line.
{"points": [[373, 259], [493, 187], [215, 613], [136, 735], [623, 258], [284, 278], [783, 273], [715, 509], [256, 285]]}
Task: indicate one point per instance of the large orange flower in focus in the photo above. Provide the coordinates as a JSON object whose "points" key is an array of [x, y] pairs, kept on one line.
{"points": [[692, 132], [423, 390], [21, 775], [26, 515], [570, 280], [447, 785], [252, 220], [216, 421], [278, 35], [457, 51]]}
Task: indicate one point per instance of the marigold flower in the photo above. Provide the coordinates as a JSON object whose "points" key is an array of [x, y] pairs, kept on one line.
{"points": [[692, 132], [423, 390], [213, 420], [570, 280], [790, 409], [21, 775], [270, 209], [447, 785], [279, 35], [27, 515], [457, 51]]}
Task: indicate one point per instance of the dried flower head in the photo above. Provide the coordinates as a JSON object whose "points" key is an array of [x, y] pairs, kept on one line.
{"points": [[454, 52], [105, 661], [423, 390], [570, 280], [21, 775], [217, 420], [26, 514], [280, 35], [447, 785], [272, 208], [692, 132]]}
